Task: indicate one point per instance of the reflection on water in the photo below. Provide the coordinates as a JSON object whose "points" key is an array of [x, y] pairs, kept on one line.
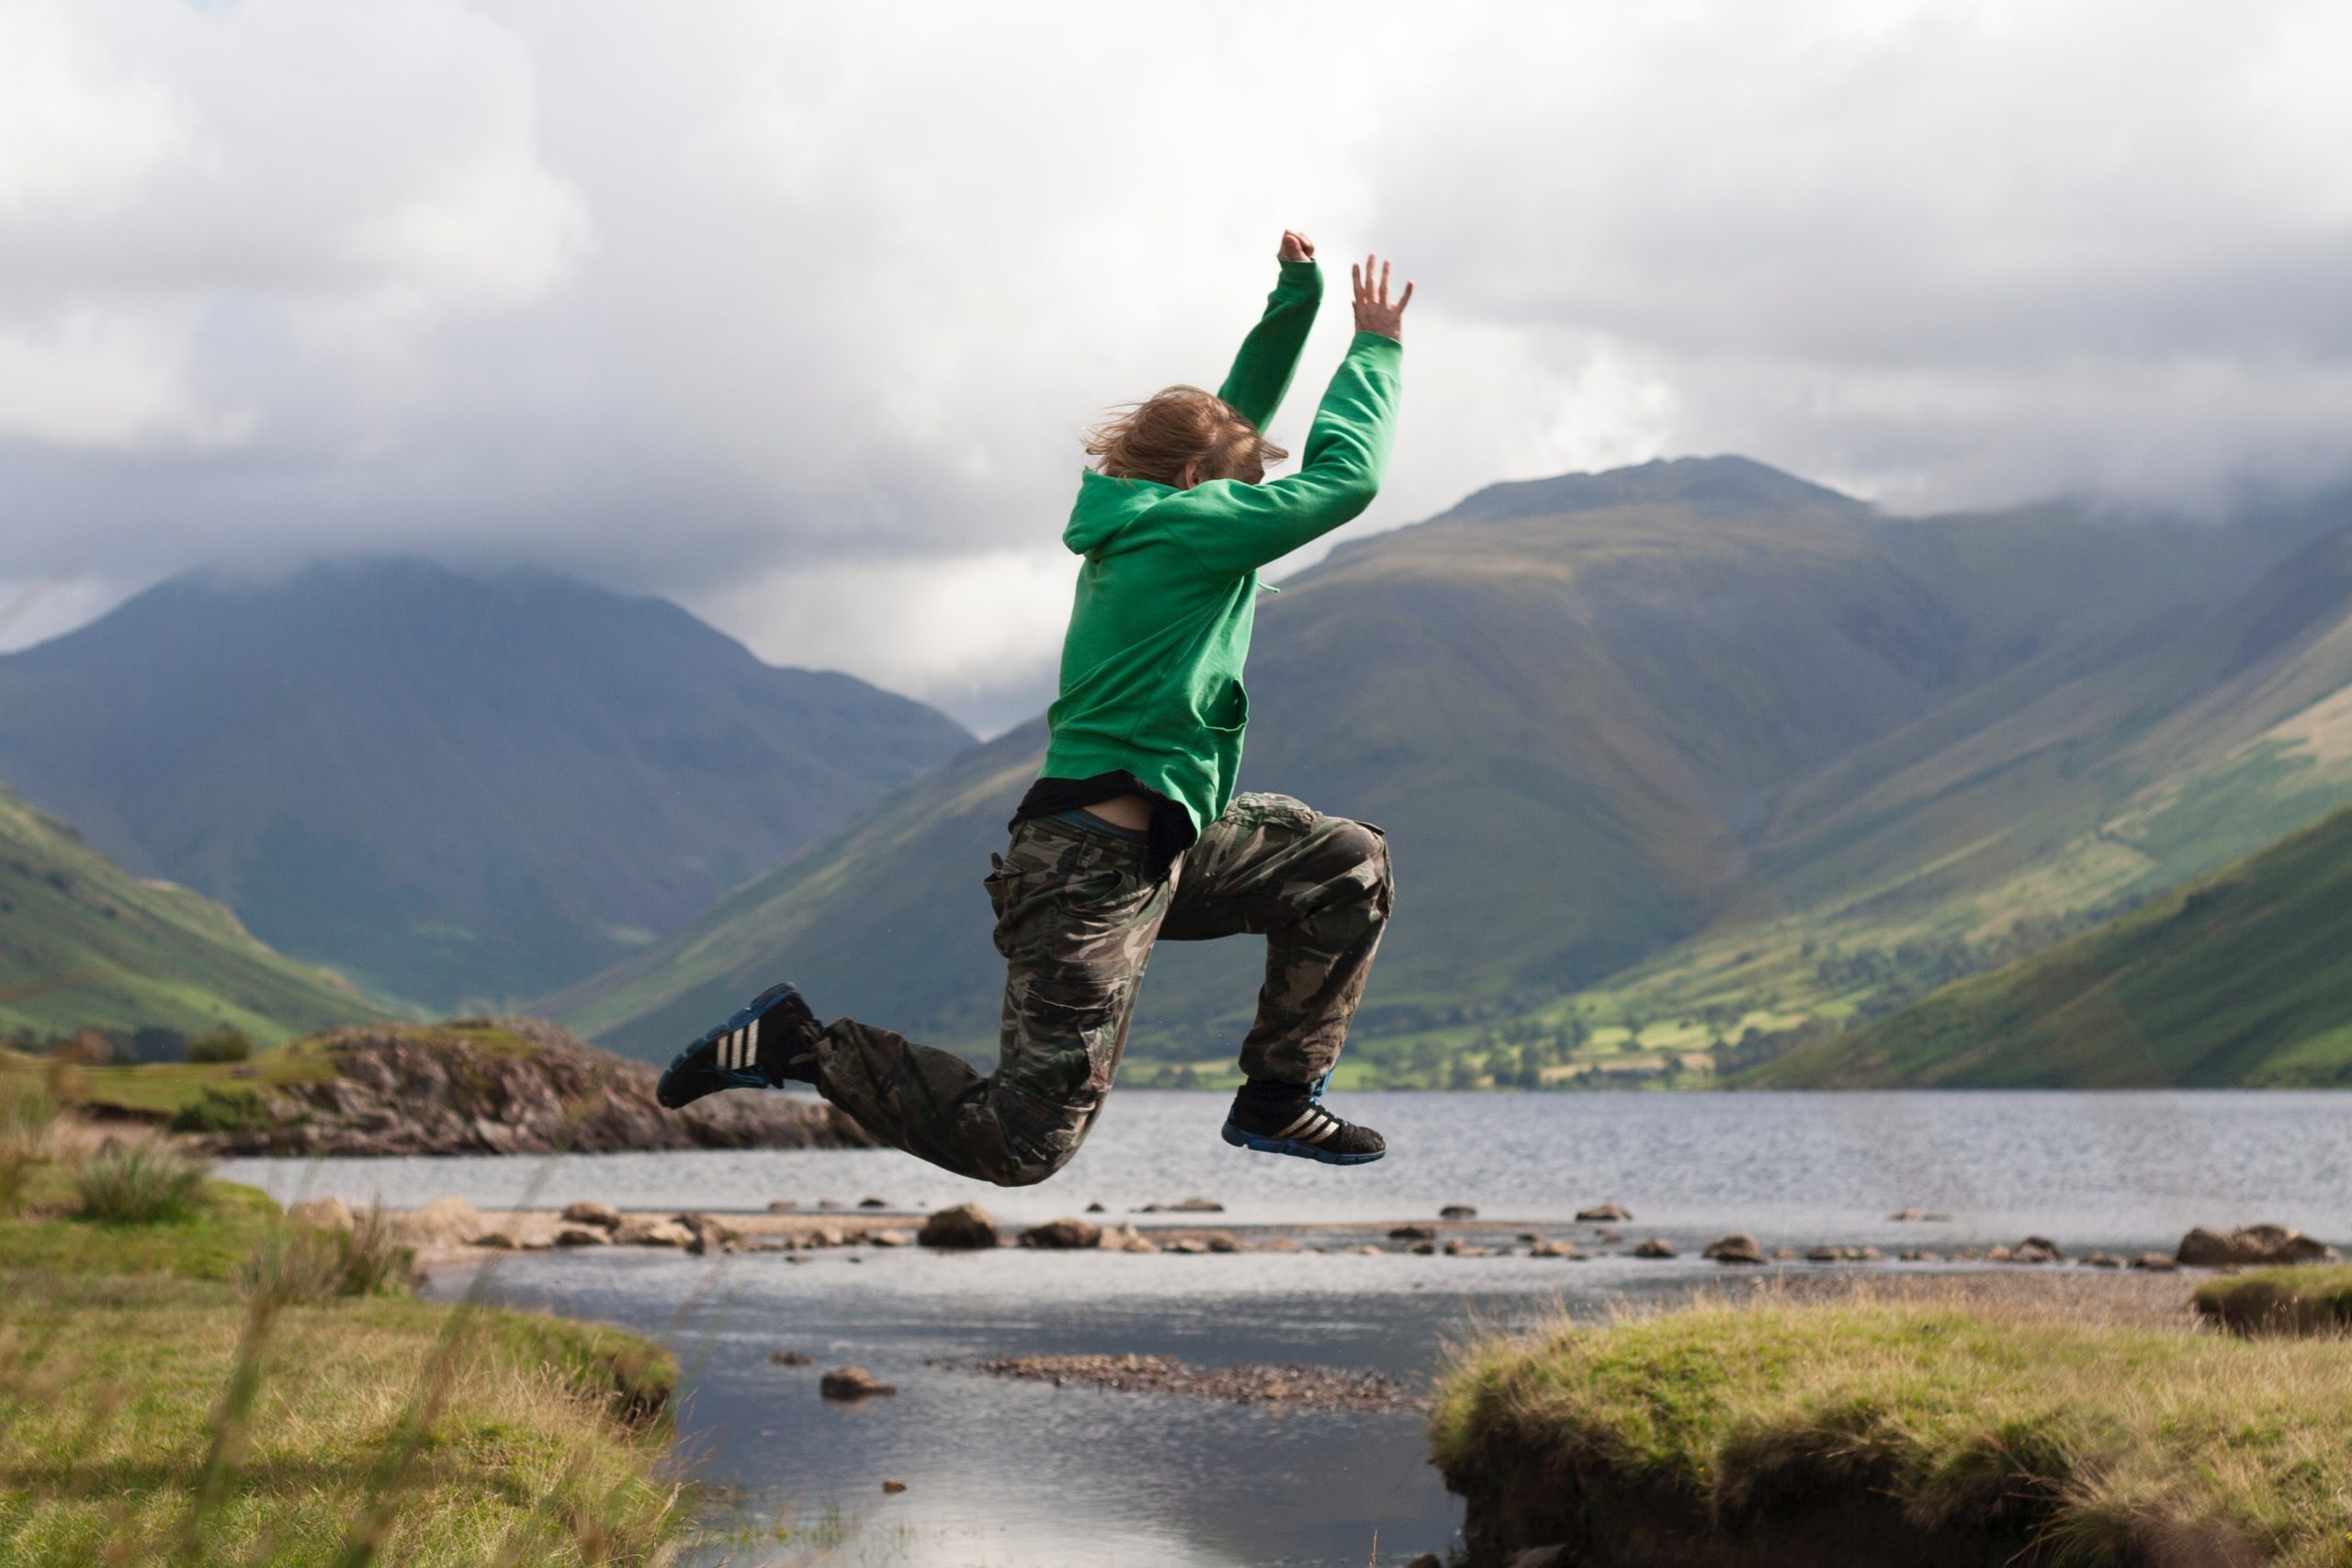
{"points": [[1022, 1472], [1015, 1472]]}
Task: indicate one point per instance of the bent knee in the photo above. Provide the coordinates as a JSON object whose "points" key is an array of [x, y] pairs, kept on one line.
{"points": [[1027, 1170], [1364, 850]]}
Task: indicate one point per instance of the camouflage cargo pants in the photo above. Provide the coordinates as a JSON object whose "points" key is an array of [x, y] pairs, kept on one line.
{"points": [[1077, 916]]}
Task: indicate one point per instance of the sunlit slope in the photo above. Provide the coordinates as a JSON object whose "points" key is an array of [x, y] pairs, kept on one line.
{"points": [[1563, 700], [2218, 733], [83, 943], [2244, 978]]}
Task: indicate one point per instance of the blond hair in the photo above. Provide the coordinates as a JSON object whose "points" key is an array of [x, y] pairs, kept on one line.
{"points": [[1178, 428]]}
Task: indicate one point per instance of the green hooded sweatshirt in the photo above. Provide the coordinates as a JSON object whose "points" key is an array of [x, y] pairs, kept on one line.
{"points": [[1151, 666]]}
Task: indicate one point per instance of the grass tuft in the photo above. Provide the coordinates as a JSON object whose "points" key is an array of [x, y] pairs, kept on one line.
{"points": [[28, 1114], [299, 1265], [145, 1184], [2302, 1299]]}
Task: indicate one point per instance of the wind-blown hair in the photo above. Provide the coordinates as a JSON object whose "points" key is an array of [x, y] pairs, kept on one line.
{"points": [[1155, 439]]}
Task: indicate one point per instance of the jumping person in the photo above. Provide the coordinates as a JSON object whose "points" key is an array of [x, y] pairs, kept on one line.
{"points": [[1133, 832]]}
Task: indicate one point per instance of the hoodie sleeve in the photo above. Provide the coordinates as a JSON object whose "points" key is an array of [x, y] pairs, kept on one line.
{"points": [[1233, 528], [1269, 355]]}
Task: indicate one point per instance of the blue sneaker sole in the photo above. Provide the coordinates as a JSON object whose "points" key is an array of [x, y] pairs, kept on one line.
{"points": [[710, 1077], [1263, 1145]]}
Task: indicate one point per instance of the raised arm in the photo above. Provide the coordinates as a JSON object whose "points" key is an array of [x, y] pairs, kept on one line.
{"points": [[1239, 526], [1269, 355]]}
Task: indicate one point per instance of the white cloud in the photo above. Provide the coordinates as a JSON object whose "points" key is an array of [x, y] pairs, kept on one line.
{"points": [[793, 311]]}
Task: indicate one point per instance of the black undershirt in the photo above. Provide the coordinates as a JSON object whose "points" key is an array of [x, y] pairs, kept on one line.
{"points": [[1171, 830]]}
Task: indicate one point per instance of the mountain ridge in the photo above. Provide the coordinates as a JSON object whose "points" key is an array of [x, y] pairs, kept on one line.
{"points": [[455, 788]]}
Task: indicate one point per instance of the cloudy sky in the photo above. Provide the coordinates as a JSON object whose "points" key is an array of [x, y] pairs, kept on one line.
{"points": [[792, 312]]}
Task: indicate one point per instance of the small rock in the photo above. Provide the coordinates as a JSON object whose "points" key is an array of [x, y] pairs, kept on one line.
{"points": [[889, 1238], [496, 1241], [1464, 1249], [852, 1383], [583, 1236], [1063, 1233], [1911, 1255], [445, 1222], [830, 1203], [1187, 1206], [2202, 1248], [2156, 1262], [1457, 1212], [1096, 1209], [1904, 1215], [325, 1214], [588, 1212], [638, 1232], [2102, 1260], [705, 1235], [1190, 1244], [1219, 1241], [892, 1485], [1423, 1249], [781, 1206], [1361, 1251], [1657, 1247], [2036, 1249], [1605, 1213], [791, 1357], [967, 1226], [824, 1236], [1736, 1247], [1413, 1233], [1997, 1253], [1556, 1249], [872, 1203], [1826, 1254]]}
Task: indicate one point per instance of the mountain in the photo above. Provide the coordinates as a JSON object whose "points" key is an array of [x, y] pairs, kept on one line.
{"points": [[2241, 979], [1578, 705], [456, 789], [83, 945]]}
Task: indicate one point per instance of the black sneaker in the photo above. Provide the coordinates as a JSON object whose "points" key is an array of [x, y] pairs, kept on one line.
{"points": [[768, 1042], [1300, 1125]]}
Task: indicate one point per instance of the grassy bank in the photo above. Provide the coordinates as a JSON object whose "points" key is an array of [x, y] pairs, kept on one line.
{"points": [[2281, 1301], [1867, 1431], [165, 1396]]}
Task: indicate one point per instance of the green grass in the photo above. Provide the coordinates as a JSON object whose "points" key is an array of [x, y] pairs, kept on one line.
{"points": [[145, 1184], [150, 1411], [2239, 979], [82, 944], [2111, 1445], [2305, 1300]]}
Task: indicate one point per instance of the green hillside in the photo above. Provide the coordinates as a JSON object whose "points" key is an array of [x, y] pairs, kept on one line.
{"points": [[2067, 790], [2244, 978], [1576, 704], [83, 945]]}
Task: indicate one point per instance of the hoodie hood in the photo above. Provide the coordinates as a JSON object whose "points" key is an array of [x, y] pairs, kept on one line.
{"points": [[1105, 507]]}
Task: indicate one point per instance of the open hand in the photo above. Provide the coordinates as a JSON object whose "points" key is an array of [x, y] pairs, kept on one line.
{"points": [[1373, 311], [1295, 247]]}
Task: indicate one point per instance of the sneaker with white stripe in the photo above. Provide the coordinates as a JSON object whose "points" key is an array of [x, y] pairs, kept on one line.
{"points": [[765, 1043], [1303, 1127]]}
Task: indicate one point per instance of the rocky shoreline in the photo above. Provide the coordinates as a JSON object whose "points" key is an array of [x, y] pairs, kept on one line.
{"points": [[1289, 1384], [451, 1229]]}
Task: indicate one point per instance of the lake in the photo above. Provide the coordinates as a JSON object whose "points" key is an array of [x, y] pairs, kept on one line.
{"points": [[1015, 1472]]}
